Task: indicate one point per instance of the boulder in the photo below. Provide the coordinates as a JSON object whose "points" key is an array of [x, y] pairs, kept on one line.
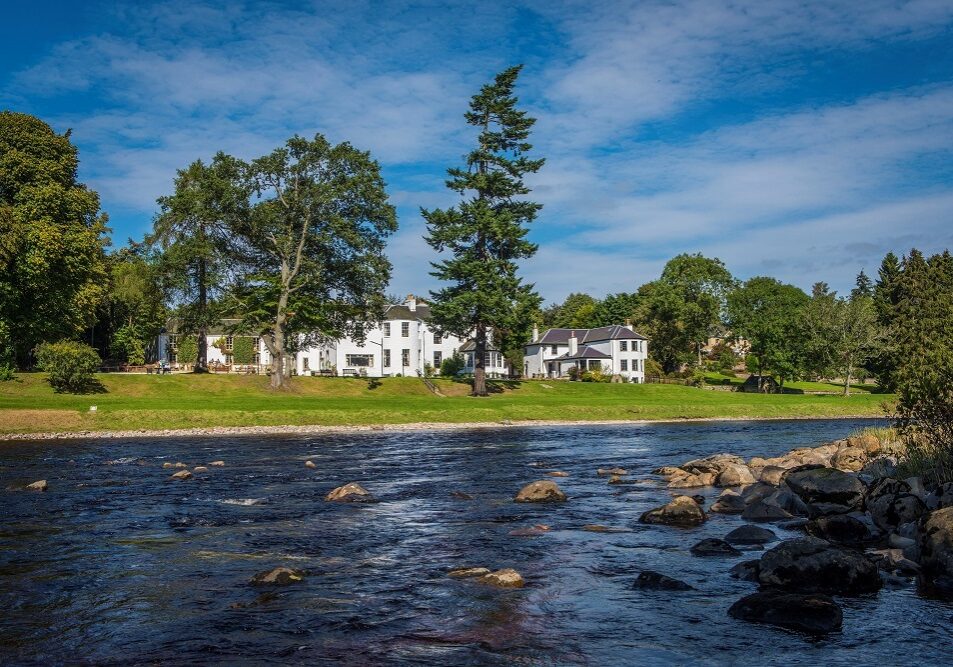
{"points": [[351, 492], [199, 469], [310, 464], [711, 546], [746, 570], [869, 444], [814, 614], [179, 465], [39, 485], [167, 465], [936, 550], [505, 578], [748, 534], [468, 572], [826, 490], [691, 481], [217, 464], [734, 474], [616, 479], [882, 466], [543, 491], [849, 459], [557, 473], [181, 475], [713, 465], [596, 528], [812, 565], [533, 531], [280, 576], [664, 471], [729, 502], [841, 529], [756, 491], [682, 511], [606, 472], [653, 581], [891, 504], [772, 475], [762, 511]]}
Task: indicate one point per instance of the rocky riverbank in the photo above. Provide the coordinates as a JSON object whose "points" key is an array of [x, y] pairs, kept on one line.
{"points": [[863, 527]]}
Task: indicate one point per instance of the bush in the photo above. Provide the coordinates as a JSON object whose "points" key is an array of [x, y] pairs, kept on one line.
{"points": [[452, 365], [653, 368], [70, 365], [243, 350], [188, 350], [127, 346], [595, 376]]}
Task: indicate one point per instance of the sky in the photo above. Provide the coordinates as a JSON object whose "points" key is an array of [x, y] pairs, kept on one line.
{"points": [[800, 140]]}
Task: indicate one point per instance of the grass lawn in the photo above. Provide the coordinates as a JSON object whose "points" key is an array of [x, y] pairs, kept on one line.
{"points": [[28, 405], [855, 388]]}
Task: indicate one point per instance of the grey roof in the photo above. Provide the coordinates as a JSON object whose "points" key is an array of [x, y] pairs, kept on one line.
{"points": [[584, 352], [403, 312], [612, 332], [470, 344]]}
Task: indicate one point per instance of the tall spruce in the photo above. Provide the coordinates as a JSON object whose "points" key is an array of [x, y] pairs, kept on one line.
{"points": [[486, 233]]}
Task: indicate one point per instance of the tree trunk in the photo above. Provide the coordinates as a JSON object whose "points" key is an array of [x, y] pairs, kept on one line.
{"points": [[201, 365], [277, 351], [479, 362], [850, 372], [699, 355]]}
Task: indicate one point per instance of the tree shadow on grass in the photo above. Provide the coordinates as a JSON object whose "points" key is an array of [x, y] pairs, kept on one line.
{"points": [[92, 386]]}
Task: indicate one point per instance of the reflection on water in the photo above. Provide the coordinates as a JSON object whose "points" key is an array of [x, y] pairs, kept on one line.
{"points": [[115, 564]]}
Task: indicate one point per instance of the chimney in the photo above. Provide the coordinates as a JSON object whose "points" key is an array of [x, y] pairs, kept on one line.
{"points": [[573, 344], [535, 333], [412, 303], [628, 324]]}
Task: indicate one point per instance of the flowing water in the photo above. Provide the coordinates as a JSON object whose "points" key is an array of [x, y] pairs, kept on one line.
{"points": [[117, 565]]}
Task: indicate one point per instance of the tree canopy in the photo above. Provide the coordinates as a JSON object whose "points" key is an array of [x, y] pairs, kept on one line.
{"points": [[52, 238]]}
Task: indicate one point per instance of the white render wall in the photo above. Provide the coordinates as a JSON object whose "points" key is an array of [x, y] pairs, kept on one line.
{"points": [[538, 359]]}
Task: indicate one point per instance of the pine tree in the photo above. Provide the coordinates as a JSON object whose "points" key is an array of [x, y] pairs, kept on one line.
{"points": [[486, 233], [863, 287]]}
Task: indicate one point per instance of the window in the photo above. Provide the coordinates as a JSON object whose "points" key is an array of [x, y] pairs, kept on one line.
{"points": [[405, 329], [305, 362], [555, 349], [488, 359], [405, 357], [437, 359], [437, 339], [387, 330], [360, 360], [173, 343], [624, 364], [623, 346], [386, 358], [229, 343]]}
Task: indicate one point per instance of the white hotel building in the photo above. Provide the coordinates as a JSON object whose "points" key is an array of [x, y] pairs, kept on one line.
{"points": [[614, 350]]}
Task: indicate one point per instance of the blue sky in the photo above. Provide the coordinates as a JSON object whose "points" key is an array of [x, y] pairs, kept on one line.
{"points": [[801, 140]]}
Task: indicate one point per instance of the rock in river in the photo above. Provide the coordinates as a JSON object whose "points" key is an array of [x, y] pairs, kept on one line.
{"points": [[682, 511], [827, 490], [808, 613], [729, 502], [280, 576], [468, 572], [182, 474], [812, 565], [543, 491], [711, 546], [40, 485], [936, 550], [505, 578], [750, 535], [654, 581], [746, 570], [351, 492]]}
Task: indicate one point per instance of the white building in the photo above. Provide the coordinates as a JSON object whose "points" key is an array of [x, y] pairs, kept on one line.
{"points": [[614, 350], [403, 344]]}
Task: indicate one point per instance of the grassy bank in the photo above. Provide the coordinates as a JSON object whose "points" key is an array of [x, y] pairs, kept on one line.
{"points": [[128, 402]]}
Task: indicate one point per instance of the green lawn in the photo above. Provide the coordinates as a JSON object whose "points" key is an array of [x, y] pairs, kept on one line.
{"points": [[855, 388], [182, 401]]}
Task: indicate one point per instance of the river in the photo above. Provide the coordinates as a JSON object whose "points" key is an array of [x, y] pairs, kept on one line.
{"points": [[116, 565]]}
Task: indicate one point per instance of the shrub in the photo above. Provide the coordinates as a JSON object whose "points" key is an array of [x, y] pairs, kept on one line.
{"points": [[127, 346], [595, 376], [243, 350], [69, 365], [188, 350], [653, 368], [452, 365]]}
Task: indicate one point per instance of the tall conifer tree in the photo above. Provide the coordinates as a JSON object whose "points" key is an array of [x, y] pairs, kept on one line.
{"points": [[486, 233]]}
